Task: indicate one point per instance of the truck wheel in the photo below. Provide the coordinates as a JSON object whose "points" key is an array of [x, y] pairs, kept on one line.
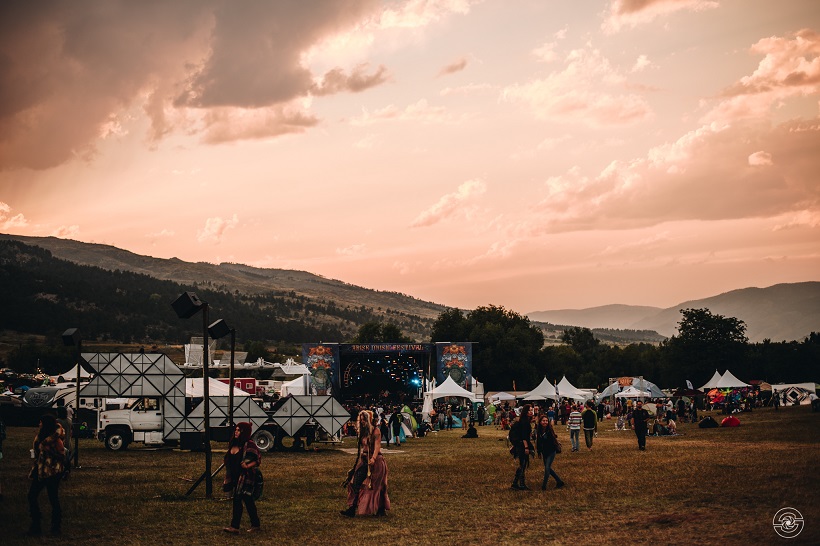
{"points": [[116, 440], [263, 440]]}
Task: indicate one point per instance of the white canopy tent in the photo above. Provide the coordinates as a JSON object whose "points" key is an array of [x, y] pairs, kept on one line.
{"points": [[193, 388], [543, 391], [501, 396], [651, 390], [568, 390], [71, 374], [451, 389], [729, 381], [712, 383], [298, 386]]}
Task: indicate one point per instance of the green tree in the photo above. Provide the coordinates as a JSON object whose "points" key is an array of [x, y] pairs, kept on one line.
{"points": [[705, 342], [377, 332]]}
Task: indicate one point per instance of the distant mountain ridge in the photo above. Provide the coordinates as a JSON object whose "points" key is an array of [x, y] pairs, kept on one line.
{"points": [[782, 312]]}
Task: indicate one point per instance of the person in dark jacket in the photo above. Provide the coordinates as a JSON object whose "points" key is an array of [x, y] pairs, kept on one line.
{"points": [[49, 465], [640, 418], [520, 436], [241, 463], [545, 438]]}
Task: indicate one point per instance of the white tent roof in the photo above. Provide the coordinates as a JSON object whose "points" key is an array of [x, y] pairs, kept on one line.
{"points": [[451, 388], [71, 374], [729, 381], [502, 396], [712, 383], [543, 391], [295, 386], [632, 392], [193, 388], [568, 390]]}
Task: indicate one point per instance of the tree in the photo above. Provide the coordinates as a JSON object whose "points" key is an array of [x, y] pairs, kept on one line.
{"points": [[705, 342], [377, 332]]}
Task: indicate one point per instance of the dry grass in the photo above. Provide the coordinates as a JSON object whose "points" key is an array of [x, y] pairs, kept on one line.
{"points": [[706, 486]]}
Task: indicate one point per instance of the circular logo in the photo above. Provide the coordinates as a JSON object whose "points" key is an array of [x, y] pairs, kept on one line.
{"points": [[788, 522]]}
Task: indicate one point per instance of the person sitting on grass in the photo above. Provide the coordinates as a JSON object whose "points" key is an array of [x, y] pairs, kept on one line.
{"points": [[471, 431]]}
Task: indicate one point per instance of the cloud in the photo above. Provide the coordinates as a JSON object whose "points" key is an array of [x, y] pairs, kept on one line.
{"points": [[230, 124], [631, 13], [352, 250], [164, 233], [215, 229], [336, 81], [469, 89], [450, 205], [587, 90], [790, 68], [704, 175], [545, 53], [641, 64], [420, 13], [71, 72], [456, 66], [419, 111], [8, 222], [66, 232], [760, 159], [803, 218]]}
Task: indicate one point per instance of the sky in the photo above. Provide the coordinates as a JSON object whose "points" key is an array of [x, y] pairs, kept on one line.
{"points": [[531, 154]]}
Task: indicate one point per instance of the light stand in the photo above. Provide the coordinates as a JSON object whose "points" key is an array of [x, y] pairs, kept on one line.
{"points": [[186, 306], [218, 329]]}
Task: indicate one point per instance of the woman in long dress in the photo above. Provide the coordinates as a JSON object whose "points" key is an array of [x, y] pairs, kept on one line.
{"points": [[367, 482]]}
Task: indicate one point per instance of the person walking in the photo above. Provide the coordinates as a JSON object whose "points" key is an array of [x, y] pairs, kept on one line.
{"points": [[241, 463], [574, 425], [49, 465], [590, 420], [367, 482], [394, 424], [545, 443], [640, 418], [2, 437], [520, 438]]}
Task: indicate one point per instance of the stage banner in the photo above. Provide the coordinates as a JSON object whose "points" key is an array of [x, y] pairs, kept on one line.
{"points": [[624, 381], [455, 360], [322, 359]]}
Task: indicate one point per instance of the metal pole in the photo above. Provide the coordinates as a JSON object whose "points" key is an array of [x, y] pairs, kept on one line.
{"points": [[230, 375], [75, 424], [209, 484]]}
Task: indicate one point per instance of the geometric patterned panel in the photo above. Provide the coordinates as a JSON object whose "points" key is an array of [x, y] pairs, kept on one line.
{"points": [[133, 375], [244, 409], [325, 410]]}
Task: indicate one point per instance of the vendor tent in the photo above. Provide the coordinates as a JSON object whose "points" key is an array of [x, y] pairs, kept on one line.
{"points": [[568, 390], [501, 396], [712, 383], [451, 389], [71, 374], [729, 381], [543, 391], [650, 389], [298, 386]]}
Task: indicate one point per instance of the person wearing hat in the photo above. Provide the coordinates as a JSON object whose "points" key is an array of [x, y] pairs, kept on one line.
{"points": [[640, 417], [241, 463]]}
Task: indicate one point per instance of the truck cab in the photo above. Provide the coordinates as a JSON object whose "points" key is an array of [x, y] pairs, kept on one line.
{"points": [[139, 421]]}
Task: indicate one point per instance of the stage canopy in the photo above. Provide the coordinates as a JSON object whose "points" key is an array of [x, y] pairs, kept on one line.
{"points": [[543, 391], [639, 384], [632, 392], [71, 374], [712, 383], [451, 389], [729, 381]]}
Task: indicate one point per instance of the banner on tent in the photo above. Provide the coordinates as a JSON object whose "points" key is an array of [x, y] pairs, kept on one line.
{"points": [[455, 360], [322, 359], [624, 381]]}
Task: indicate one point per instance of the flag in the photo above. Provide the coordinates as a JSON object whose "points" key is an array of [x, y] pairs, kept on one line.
{"points": [[513, 384], [689, 385]]}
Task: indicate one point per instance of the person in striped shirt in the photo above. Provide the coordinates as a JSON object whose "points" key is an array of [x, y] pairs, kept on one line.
{"points": [[574, 425]]}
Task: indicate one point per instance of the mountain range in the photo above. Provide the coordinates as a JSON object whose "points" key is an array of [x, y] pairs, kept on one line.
{"points": [[779, 312]]}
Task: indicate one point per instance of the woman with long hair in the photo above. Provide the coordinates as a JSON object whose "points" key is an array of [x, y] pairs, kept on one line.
{"points": [[520, 437], [241, 463], [367, 481], [545, 444], [49, 466]]}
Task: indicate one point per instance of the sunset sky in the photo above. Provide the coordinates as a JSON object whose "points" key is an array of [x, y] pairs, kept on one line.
{"points": [[535, 154]]}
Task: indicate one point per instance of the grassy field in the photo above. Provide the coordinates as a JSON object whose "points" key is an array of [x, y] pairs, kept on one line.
{"points": [[704, 486]]}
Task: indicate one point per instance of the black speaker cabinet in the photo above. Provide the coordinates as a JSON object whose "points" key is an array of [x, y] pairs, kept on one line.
{"points": [[187, 304]]}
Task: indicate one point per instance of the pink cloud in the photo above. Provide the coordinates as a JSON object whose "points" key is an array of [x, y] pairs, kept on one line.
{"points": [[419, 111], [456, 66], [631, 13], [450, 205], [215, 229], [587, 90], [760, 159], [9, 222]]}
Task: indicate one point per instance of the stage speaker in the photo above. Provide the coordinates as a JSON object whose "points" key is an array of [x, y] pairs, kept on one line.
{"points": [[71, 337], [218, 329], [187, 304]]}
